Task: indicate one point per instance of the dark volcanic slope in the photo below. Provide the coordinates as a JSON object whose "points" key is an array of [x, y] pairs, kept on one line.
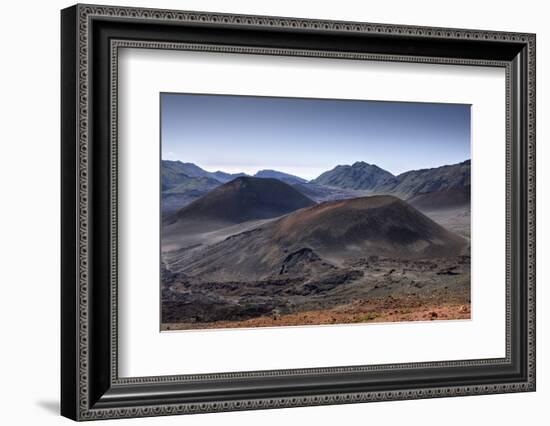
{"points": [[323, 235], [243, 199], [360, 175], [376, 224]]}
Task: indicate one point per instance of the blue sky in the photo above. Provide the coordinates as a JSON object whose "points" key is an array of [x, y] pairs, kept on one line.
{"points": [[306, 137]]}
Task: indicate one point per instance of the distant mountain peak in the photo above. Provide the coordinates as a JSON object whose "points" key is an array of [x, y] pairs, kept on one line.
{"points": [[360, 175], [370, 177], [362, 164]]}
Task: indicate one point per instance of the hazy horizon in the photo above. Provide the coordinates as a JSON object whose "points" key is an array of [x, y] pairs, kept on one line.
{"points": [[307, 137], [284, 171]]}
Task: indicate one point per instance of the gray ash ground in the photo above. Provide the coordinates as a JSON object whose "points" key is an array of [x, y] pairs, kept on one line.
{"points": [[195, 303]]}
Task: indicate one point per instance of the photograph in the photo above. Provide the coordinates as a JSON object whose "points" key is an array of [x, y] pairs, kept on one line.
{"points": [[294, 211], [265, 209]]}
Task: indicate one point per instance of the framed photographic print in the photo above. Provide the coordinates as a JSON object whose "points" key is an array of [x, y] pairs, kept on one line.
{"points": [[263, 212]]}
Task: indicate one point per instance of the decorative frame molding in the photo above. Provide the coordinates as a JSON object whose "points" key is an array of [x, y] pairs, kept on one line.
{"points": [[91, 388]]}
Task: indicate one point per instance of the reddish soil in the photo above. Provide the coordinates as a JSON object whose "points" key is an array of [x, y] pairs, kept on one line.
{"points": [[390, 309]]}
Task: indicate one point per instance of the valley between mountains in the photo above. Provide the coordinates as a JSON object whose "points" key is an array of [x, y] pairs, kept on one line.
{"points": [[355, 245]]}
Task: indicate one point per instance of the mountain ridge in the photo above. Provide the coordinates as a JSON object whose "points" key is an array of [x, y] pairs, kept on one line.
{"points": [[442, 178], [183, 183], [365, 176], [194, 171], [285, 177]]}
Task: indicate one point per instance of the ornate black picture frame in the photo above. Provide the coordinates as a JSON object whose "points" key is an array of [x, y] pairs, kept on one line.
{"points": [[90, 38]]}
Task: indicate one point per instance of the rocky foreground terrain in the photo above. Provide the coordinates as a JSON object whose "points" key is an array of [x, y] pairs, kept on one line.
{"points": [[257, 252], [369, 289]]}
